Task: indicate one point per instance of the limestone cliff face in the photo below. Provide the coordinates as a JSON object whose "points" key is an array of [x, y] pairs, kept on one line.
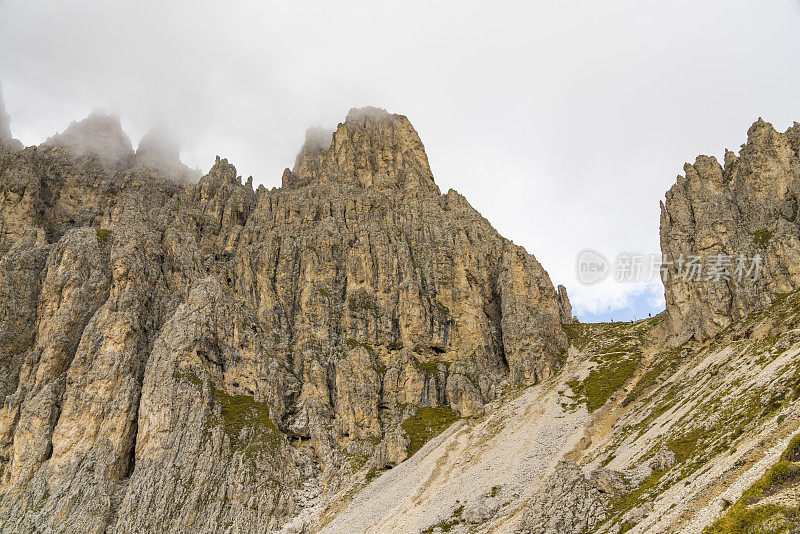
{"points": [[7, 142], [210, 357], [748, 207]]}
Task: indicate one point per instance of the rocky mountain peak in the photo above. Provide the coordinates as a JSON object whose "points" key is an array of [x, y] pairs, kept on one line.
{"points": [[759, 132], [100, 134], [6, 140], [312, 153], [224, 172], [371, 148], [159, 151], [157, 144], [205, 358], [748, 209]]}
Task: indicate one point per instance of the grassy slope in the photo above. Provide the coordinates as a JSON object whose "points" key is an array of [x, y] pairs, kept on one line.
{"points": [[699, 402]]}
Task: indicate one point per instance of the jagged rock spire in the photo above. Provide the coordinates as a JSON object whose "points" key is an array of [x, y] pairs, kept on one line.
{"points": [[99, 134], [745, 210], [158, 150], [371, 148], [6, 140]]}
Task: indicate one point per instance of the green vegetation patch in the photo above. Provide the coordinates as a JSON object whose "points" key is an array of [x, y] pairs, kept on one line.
{"points": [[103, 236], [578, 334], [427, 424], [429, 367], [762, 238], [792, 452], [685, 446], [770, 519], [362, 300], [447, 524], [353, 343], [441, 308], [240, 411], [612, 371], [641, 494], [664, 365], [374, 473], [357, 461], [747, 516]]}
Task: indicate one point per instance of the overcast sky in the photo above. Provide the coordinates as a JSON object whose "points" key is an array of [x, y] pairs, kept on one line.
{"points": [[563, 123]]}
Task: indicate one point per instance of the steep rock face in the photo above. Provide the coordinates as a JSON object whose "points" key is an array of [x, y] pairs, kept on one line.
{"points": [[7, 142], [748, 207], [571, 502], [564, 306], [209, 357], [372, 148]]}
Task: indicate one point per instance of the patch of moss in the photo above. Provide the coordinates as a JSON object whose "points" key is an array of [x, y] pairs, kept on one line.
{"points": [[664, 365], [683, 447], [792, 452], [747, 516], [769, 519], [427, 424], [187, 376], [762, 238], [605, 379], [357, 461], [103, 236], [447, 524], [429, 367], [351, 343], [362, 301], [374, 473], [441, 308], [630, 500], [240, 411], [578, 334]]}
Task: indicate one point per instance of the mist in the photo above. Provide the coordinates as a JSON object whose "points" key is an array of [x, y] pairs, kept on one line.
{"points": [[562, 124]]}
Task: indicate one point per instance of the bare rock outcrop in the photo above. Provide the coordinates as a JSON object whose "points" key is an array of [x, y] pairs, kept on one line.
{"points": [[205, 356], [725, 216], [371, 148], [571, 501], [564, 306]]}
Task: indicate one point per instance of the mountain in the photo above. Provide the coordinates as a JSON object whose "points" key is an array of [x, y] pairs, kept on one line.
{"points": [[7, 142], [183, 354], [746, 208], [357, 352]]}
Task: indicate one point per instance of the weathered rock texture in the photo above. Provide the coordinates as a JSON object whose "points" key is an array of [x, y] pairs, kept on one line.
{"points": [[572, 502], [209, 357], [748, 207]]}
